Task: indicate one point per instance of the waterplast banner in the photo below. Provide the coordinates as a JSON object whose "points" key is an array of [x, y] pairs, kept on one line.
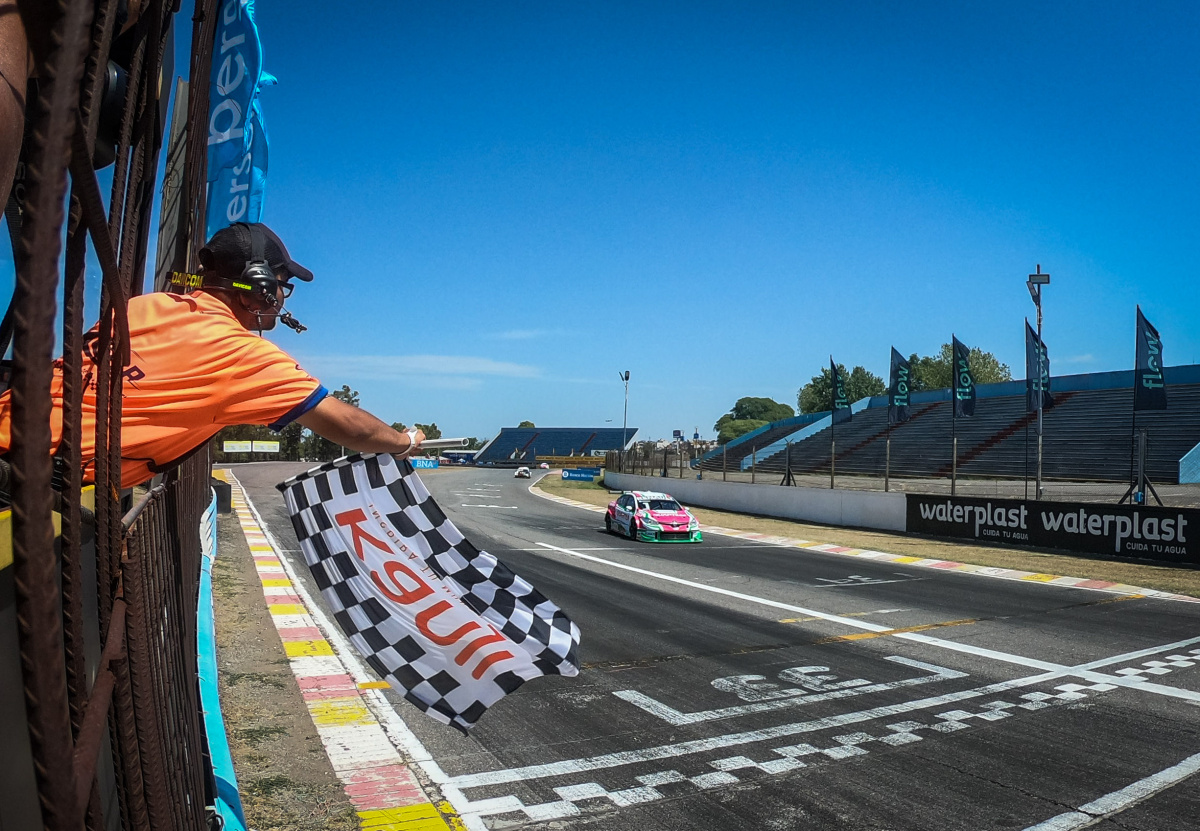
{"points": [[899, 388], [237, 138], [840, 402], [450, 627], [1037, 372], [964, 381], [1171, 534], [1149, 386]]}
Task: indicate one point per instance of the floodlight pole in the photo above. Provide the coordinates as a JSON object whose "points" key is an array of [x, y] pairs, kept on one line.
{"points": [[1034, 284], [625, 419]]}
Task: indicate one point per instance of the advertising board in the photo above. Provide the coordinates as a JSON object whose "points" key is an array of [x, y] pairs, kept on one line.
{"points": [[237, 446], [1171, 534], [265, 447], [582, 474], [424, 464], [569, 461]]}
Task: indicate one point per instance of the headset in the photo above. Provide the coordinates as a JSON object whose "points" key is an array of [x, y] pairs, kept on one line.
{"points": [[257, 279]]}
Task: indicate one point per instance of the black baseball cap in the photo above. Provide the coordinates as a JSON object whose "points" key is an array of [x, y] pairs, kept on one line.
{"points": [[231, 248]]}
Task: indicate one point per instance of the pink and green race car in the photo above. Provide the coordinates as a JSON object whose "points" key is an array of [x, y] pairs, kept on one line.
{"points": [[651, 517]]}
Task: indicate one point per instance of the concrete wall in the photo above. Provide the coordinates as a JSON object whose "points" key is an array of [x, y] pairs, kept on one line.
{"points": [[859, 509]]}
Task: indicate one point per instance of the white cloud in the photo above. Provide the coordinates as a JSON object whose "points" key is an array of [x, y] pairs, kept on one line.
{"points": [[442, 371]]}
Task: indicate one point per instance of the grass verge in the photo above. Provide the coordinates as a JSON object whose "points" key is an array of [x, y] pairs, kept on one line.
{"points": [[1169, 578]]}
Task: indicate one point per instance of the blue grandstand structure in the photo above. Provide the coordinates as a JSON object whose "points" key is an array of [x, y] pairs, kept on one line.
{"points": [[523, 445], [1087, 436]]}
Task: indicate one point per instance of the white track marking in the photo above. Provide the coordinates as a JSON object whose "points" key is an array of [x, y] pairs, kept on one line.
{"points": [[801, 619], [845, 621], [1083, 670], [1117, 801], [832, 584], [794, 699], [501, 507], [477, 495], [628, 757], [539, 549]]}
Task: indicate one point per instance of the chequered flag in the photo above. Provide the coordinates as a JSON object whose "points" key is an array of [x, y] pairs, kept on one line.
{"points": [[450, 626]]}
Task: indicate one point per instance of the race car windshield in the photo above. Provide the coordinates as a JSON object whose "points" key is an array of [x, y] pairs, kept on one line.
{"points": [[661, 505]]}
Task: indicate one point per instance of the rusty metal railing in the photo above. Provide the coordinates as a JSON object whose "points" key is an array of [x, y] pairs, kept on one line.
{"points": [[105, 610]]}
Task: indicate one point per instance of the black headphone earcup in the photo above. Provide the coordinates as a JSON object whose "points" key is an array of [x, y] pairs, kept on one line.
{"points": [[262, 280]]}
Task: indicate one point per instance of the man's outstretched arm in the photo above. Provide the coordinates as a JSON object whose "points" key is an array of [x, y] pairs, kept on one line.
{"points": [[356, 429]]}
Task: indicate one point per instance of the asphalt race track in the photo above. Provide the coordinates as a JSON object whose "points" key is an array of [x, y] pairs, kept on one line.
{"points": [[735, 685]]}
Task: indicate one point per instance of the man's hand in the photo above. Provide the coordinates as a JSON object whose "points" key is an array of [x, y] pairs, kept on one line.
{"points": [[416, 437]]}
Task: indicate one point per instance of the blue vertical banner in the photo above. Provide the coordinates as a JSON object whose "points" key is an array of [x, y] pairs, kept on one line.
{"points": [[899, 389], [839, 404], [1037, 373], [237, 139], [1149, 384], [964, 381]]}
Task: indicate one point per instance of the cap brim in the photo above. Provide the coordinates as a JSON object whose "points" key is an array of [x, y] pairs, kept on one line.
{"points": [[298, 271]]}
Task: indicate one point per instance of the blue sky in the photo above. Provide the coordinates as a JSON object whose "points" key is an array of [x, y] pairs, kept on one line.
{"points": [[507, 204]]}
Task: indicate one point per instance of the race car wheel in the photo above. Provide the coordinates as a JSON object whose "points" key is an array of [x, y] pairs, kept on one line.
{"points": [[608, 523], [633, 535]]}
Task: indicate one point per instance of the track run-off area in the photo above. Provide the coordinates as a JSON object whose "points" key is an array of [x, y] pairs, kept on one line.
{"points": [[738, 684]]}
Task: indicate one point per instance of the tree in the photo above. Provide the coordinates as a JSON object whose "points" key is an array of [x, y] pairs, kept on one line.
{"points": [[431, 431], [290, 439], [474, 443], [749, 414], [346, 394], [399, 426], [318, 448], [763, 409], [526, 424], [814, 397], [729, 429], [935, 372]]}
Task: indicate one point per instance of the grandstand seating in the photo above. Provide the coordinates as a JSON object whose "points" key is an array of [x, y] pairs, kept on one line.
{"points": [[737, 451], [1087, 436], [522, 445]]}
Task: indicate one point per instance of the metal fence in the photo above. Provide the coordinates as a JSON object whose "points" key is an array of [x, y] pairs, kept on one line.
{"points": [[105, 630]]}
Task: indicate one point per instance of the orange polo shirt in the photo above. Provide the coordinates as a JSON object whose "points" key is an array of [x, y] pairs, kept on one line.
{"points": [[193, 370]]}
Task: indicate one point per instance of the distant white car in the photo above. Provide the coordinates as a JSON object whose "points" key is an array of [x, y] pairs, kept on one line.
{"points": [[522, 473], [544, 466]]}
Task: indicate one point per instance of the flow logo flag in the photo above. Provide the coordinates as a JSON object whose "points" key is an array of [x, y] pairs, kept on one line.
{"points": [[840, 402], [964, 381], [450, 626], [1037, 373], [237, 139], [898, 389], [1149, 384]]}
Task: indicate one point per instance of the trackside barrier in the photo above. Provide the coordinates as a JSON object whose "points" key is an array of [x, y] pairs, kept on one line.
{"points": [[227, 802], [859, 509]]}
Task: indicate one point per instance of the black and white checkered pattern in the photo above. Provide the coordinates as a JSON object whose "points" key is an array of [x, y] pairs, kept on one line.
{"points": [[478, 606]]}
